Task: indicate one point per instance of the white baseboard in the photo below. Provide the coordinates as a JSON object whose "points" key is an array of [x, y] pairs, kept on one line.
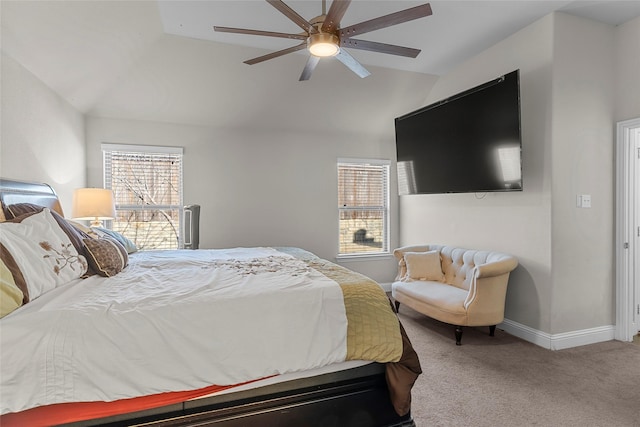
{"points": [[559, 341], [386, 286]]}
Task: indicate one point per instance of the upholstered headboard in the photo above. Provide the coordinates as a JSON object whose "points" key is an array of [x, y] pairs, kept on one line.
{"points": [[12, 192]]}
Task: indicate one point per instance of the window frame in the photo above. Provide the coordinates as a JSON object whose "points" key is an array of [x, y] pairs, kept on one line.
{"points": [[385, 251], [108, 148]]}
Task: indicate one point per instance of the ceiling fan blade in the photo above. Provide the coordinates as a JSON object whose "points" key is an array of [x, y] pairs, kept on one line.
{"points": [[259, 33], [386, 21], [309, 67], [352, 64], [291, 14], [380, 47], [335, 14], [276, 54]]}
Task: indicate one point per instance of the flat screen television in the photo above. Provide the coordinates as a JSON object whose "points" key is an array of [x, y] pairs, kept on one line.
{"points": [[468, 143]]}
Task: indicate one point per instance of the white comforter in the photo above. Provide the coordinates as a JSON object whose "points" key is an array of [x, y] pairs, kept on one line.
{"points": [[171, 321]]}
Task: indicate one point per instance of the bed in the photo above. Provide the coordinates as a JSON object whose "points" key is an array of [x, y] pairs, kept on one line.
{"points": [[226, 337]]}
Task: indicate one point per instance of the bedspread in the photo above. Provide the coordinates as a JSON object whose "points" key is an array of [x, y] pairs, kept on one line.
{"points": [[365, 302], [372, 331], [207, 317]]}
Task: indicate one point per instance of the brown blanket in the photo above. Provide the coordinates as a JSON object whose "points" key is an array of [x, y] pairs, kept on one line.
{"points": [[374, 332]]}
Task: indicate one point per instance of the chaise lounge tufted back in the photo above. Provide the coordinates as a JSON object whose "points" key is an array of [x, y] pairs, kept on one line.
{"points": [[458, 263]]}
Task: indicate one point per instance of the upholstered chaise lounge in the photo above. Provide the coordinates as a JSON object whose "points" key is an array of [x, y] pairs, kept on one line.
{"points": [[462, 287]]}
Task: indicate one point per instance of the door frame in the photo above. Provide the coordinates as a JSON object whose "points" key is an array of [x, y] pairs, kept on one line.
{"points": [[627, 202]]}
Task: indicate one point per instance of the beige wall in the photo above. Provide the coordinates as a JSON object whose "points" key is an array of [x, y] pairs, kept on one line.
{"points": [[627, 101], [583, 285], [517, 223], [570, 102], [42, 136], [276, 188]]}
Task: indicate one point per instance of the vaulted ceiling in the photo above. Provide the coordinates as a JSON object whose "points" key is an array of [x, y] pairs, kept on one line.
{"points": [[151, 60]]}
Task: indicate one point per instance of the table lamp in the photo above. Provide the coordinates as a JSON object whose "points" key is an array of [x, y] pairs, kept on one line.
{"points": [[94, 204]]}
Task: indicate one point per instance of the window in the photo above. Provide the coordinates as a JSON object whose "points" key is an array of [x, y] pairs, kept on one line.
{"points": [[147, 185], [363, 206]]}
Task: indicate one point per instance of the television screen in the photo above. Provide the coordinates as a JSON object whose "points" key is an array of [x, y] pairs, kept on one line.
{"points": [[468, 143]]}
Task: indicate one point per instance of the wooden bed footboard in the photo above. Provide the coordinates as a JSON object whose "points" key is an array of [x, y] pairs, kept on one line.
{"points": [[358, 397]]}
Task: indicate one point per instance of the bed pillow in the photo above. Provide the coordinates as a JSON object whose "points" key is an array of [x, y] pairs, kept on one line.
{"points": [[38, 251], [106, 256], [19, 209], [104, 232], [74, 234], [80, 227], [423, 266], [11, 297]]}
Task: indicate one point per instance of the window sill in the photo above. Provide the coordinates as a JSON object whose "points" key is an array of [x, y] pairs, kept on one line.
{"points": [[363, 257]]}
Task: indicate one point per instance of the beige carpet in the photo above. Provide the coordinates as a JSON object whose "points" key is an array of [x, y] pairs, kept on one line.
{"points": [[505, 381]]}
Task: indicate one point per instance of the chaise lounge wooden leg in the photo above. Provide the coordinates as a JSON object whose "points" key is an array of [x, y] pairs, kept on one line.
{"points": [[397, 306], [458, 335], [492, 330]]}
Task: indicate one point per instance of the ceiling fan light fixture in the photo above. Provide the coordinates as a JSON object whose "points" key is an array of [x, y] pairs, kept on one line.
{"points": [[323, 44], [324, 36]]}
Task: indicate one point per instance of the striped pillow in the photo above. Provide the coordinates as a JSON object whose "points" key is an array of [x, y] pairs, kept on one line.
{"points": [[11, 297], [106, 256]]}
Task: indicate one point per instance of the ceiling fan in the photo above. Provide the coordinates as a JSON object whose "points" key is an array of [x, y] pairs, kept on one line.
{"points": [[323, 36]]}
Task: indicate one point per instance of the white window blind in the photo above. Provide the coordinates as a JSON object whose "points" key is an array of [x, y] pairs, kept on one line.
{"points": [[147, 185], [363, 206]]}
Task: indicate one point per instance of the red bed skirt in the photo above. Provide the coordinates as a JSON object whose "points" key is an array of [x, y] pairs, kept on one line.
{"points": [[61, 413]]}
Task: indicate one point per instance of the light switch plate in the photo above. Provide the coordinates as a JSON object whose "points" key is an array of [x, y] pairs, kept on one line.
{"points": [[583, 201]]}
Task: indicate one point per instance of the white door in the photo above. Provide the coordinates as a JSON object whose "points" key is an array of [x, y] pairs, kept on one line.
{"points": [[628, 230], [636, 227]]}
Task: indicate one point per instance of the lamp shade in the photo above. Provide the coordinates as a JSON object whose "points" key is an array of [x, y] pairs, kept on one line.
{"points": [[93, 204]]}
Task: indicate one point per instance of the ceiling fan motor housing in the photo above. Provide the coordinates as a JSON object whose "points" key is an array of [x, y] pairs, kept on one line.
{"points": [[323, 44]]}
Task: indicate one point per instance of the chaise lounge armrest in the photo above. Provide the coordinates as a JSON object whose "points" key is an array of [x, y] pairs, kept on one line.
{"points": [[496, 267]]}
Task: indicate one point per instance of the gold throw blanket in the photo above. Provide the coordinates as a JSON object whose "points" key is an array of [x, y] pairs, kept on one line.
{"points": [[374, 331]]}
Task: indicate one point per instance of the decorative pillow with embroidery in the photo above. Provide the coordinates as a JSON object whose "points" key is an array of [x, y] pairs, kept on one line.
{"points": [[423, 266], [126, 243], [74, 234], [106, 256], [39, 254]]}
